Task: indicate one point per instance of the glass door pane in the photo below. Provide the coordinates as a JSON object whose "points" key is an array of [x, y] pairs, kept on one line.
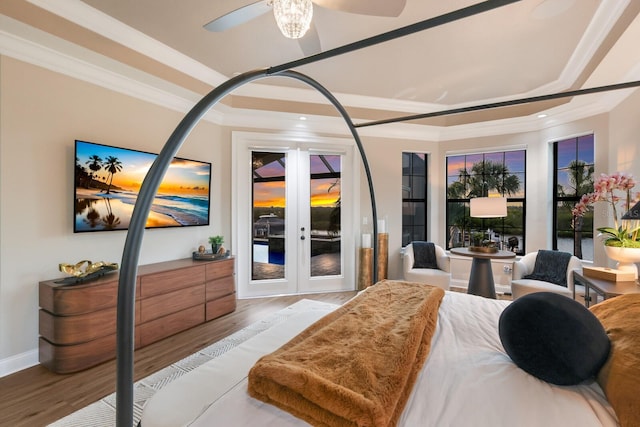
{"points": [[325, 201], [293, 215], [268, 205]]}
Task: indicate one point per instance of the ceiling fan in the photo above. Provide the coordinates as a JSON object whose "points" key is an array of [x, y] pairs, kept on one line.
{"points": [[294, 16]]}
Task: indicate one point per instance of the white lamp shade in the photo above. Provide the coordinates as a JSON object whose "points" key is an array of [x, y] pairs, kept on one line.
{"points": [[488, 207]]}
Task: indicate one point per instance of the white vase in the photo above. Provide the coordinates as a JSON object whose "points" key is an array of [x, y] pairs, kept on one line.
{"points": [[626, 257]]}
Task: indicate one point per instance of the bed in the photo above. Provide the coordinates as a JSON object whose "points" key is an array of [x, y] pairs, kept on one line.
{"points": [[467, 380]]}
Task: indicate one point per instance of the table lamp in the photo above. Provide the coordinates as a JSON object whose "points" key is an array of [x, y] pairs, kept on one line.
{"points": [[488, 207]]}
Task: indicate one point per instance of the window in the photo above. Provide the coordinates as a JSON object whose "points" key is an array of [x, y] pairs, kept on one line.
{"points": [[480, 175], [573, 177], [414, 197]]}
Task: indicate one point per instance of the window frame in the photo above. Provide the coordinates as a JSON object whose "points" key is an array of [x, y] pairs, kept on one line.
{"points": [[424, 200], [514, 202], [573, 198]]}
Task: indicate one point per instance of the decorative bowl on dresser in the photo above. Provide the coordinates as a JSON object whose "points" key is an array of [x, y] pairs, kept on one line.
{"points": [[78, 322]]}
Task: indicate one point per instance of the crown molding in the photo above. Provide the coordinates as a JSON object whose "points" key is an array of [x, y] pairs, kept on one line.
{"points": [[605, 18], [100, 23], [90, 18], [34, 46]]}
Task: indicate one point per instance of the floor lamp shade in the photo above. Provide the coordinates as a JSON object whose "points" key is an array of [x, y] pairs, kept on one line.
{"points": [[488, 207]]}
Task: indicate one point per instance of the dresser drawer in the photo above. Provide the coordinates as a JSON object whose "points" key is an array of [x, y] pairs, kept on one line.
{"points": [[221, 306], [65, 330], [220, 287], [218, 269], [161, 283], [161, 305], [65, 359], [162, 327]]}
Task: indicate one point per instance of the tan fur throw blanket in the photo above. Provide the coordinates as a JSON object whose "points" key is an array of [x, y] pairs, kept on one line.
{"points": [[357, 365]]}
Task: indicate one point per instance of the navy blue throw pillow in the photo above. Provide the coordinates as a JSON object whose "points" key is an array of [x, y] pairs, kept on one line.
{"points": [[554, 338], [550, 266], [424, 255]]}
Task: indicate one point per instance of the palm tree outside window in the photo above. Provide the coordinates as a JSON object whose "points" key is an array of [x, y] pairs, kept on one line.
{"points": [[499, 174], [574, 166]]}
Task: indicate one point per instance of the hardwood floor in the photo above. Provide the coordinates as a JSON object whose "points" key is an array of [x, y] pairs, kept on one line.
{"points": [[36, 397]]}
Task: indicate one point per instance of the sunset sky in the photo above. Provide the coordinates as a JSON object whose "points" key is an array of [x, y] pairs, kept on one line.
{"points": [[513, 160], [183, 176], [268, 194]]}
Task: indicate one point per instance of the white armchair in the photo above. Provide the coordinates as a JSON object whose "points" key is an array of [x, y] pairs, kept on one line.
{"points": [[439, 277], [525, 266]]}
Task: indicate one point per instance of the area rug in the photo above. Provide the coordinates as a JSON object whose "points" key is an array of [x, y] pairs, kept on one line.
{"points": [[103, 412]]}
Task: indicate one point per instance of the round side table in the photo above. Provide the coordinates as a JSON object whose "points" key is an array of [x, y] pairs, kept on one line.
{"points": [[481, 277]]}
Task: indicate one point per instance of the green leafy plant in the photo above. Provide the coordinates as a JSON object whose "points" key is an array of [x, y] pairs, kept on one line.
{"points": [[622, 237], [216, 240]]}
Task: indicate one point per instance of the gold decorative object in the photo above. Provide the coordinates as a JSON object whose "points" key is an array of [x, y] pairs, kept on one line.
{"points": [[76, 270], [85, 270], [201, 249]]}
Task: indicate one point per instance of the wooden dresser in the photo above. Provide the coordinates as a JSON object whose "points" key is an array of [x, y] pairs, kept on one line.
{"points": [[78, 322]]}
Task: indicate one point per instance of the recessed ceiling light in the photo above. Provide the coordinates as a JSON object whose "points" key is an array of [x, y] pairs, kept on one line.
{"points": [[303, 118], [542, 116]]}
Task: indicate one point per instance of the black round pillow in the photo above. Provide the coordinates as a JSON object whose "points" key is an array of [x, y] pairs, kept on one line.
{"points": [[554, 338]]}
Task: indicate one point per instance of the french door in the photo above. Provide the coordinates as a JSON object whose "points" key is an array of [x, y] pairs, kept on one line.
{"points": [[294, 211]]}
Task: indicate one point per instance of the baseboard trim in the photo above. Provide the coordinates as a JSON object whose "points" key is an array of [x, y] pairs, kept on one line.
{"points": [[18, 362]]}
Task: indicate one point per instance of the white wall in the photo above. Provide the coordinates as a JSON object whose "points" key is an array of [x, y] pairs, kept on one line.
{"points": [[624, 137], [41, 114], [385, 161]]}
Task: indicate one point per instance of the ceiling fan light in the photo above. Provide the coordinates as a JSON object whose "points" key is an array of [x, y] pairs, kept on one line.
{"points": [[293, 16]]}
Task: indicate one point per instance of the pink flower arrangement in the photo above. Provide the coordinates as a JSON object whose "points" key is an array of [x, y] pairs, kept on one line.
{"points": [[607, 189]]}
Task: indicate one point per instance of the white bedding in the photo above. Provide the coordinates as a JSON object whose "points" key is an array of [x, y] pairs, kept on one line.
{"points": [[467, 380]]}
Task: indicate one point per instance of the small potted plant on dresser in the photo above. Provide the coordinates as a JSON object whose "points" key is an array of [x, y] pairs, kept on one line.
{"points": [[216, 242]]}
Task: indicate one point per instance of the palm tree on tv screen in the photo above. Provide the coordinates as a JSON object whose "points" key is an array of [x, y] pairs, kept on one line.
{"points": [[95, 164], [110, 221], [112, 165]]}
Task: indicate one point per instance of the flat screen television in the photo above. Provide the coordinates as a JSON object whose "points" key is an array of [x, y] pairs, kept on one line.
{"points": [[108, 179]]}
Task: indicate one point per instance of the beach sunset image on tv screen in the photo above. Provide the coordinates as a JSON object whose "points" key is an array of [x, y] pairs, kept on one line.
{"points": [[108, 179]]}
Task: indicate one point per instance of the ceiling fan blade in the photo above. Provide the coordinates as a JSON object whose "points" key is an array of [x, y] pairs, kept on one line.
{"points": [[390, 8], [239, 16], [310, 42]]}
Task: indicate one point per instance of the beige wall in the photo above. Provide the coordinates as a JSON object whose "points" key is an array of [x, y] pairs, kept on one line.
{"points": [[385, 161], [42, 113], [624, 137]]}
